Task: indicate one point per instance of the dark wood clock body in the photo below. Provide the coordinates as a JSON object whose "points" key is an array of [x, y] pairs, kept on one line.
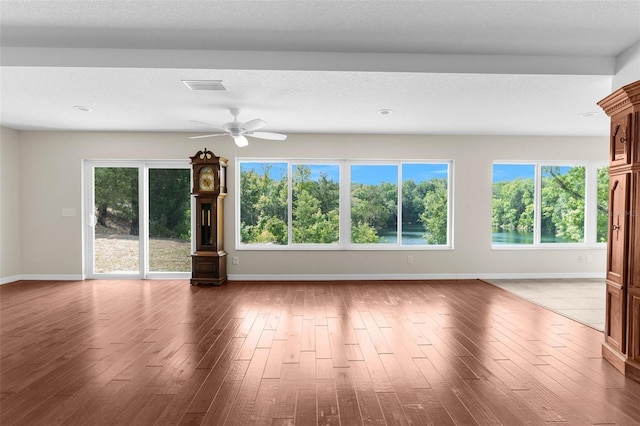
{"points": [[622, 322], [209, 261]]}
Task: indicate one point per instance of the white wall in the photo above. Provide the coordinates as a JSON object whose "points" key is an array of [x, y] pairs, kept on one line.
{"points": [[627, 67], [52, 244], [10, 246]]}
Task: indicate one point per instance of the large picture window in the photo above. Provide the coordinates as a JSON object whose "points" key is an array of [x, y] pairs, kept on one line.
{"points": [[513, 203], [343, 204], [316, 204], [562, 204], [425, 204], [374, 204], [548, 204], [264, 203]]}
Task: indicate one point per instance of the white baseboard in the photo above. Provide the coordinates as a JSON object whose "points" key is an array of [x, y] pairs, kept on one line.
{"points": [[7, 280], [38, 277], [341, 277], [541, 276], [373, 277]]}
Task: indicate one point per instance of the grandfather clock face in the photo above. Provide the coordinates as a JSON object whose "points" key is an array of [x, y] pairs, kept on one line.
{"points": [[206, 180]]}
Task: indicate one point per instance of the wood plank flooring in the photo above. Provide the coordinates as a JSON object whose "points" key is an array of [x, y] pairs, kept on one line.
{"points": [[137, 352]]}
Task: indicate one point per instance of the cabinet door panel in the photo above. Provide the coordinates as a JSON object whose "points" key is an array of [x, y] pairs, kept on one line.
{"points": [[615, 329], [618, 209], [620, 139]]}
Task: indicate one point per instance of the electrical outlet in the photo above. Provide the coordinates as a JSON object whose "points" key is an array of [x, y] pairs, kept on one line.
{"points": [[235, 260], [589, 258], [409, 260], [580, 259]]}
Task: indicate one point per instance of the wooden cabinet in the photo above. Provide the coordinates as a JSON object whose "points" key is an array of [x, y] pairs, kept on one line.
{"points": [[209, 261], [622, 329]]}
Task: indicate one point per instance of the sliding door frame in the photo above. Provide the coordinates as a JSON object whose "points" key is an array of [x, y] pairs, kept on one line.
{"points": [[89, 218]]}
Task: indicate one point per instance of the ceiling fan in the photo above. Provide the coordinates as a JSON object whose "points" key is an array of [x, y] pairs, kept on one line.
{"points": [[238, 131]]}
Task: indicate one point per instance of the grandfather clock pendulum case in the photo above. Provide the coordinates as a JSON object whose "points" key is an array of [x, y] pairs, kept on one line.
{"points": [[209, 261]]}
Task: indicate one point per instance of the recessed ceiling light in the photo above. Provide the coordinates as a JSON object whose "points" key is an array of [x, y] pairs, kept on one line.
{"points": [[82, 108], [588, 114], [385, 111]]}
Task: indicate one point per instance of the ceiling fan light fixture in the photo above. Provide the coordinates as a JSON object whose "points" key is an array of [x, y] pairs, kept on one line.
{"points": [[240, 141]]}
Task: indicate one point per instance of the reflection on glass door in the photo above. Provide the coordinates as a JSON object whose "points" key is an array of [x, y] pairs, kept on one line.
{"points": [[117, 221], [169, 220]]}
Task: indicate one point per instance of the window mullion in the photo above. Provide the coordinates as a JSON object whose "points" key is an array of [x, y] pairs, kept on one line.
{"points": [[143, 173], [345, 204], [289, 204], [399, 206], [590, 182], [537, 208]]}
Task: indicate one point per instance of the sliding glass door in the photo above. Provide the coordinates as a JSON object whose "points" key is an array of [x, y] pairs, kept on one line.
{"points": [[169, 220], [139, 219], [116, 220]]}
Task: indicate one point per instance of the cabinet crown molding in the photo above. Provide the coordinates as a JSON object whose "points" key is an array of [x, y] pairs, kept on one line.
{"points": [[623, 98]]}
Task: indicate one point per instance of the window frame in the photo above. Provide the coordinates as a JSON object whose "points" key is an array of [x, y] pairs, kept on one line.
{"points": [[590, 205], [344, 170]]}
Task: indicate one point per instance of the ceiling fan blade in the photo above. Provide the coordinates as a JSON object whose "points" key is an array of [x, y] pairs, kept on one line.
{"points": [[207, 136], [268, 135], [214, 128], [241, 141], [253, 125]]}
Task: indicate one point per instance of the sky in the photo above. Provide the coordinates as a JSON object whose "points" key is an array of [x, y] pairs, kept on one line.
{"points": [[508, 172], [375, 174], [362, 173]]}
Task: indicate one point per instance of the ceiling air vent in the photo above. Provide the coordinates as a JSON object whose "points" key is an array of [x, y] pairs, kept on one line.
{"points": [[204, 84]]}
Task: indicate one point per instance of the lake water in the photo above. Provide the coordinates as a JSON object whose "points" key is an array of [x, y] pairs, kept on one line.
{"points": [[502, 236], [414, 235], [511, 237], [411, 235]]}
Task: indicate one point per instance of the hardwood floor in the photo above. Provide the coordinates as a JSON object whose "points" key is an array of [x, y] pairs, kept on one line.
{"points": [[407, 352]]}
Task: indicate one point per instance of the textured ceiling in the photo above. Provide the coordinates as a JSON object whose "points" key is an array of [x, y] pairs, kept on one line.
{"points": [[444, 67]]}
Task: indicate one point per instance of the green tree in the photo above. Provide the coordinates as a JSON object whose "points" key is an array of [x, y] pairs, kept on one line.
{"points": [[513, 205], [169, 204], [263, 207], [327, 192], [316, 218], [374, 205], [373, 208], [116, 197], [413, 200], [603, 205], [310, 225], [363, 233], [563, 194], [435, 214]]}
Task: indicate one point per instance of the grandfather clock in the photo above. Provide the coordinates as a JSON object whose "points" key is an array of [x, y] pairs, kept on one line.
{"points": [[209, 261], [622, 322]]}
